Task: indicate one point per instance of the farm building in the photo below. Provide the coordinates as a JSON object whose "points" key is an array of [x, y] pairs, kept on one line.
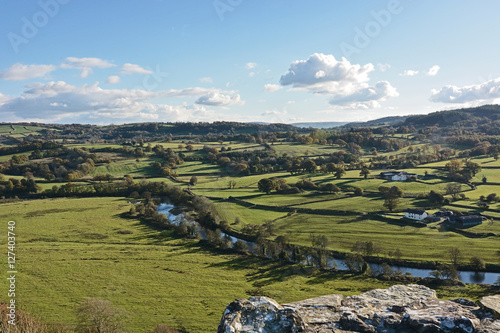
{"points": [[465, 220], [397, 175], [416, 214], [444, 213]]}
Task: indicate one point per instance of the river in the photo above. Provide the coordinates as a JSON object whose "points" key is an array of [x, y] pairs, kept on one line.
{"points": [[464, 276]]}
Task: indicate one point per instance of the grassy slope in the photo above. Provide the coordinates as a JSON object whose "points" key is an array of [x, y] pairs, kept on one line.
{"points": [[155, 278]]}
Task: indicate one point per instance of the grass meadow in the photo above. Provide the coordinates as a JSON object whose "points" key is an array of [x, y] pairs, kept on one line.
{"points": [[71, 249]]}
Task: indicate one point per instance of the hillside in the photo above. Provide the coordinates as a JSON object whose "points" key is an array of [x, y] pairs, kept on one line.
{"points": [[469, 117]]}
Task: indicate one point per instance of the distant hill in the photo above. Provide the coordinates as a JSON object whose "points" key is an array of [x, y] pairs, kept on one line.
{"points": [[451, 118], [325, 124], [392, 120]]}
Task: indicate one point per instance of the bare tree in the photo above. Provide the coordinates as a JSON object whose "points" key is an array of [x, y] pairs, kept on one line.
{"points": [[455, 255], [99, 316]]}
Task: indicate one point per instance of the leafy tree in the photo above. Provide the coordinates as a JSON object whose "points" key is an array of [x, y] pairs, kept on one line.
{"points": [[391, 192], [339, 171], [354, 262], [454, 189], [50, 177], [329, 187], [396, 254], [364, 172], [320, 242], [477, 263], [330, 167], [358, 191], [193, 180], [309, 166], [453, 166], [266, 185], [436, 197], [391, 203], [470, 169], [386, 269], [492, 197]]}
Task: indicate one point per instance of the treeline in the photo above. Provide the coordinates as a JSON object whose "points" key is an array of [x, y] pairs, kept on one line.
{"points": [[25, 146]]}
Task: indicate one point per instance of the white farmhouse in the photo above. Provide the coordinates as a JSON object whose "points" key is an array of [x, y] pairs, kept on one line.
{"points": [[402, 176], [416, 214]]}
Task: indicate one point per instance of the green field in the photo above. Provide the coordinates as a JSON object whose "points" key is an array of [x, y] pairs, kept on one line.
{"points": [[415, 243], [70, 249], [126, 166]]}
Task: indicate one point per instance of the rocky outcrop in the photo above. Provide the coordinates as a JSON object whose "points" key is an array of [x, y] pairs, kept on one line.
{"points": [[491, 304], [398, 309]]}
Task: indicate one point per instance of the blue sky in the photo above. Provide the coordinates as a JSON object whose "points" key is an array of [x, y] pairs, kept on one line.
{"points": [[66, 61]]}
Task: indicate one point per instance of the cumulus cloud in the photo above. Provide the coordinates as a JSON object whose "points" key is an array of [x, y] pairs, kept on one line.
{"points": [[322, 73], [113, 79], [272, 87], [274, 113], [366, 98], [85, 64], [220, 99], [346, 83], [206, 79], [3, 98], [486, 92], [409, 72], [250, 65], [433, 70], [53, 101], [19, 72], [251, 74], [134, 69]]}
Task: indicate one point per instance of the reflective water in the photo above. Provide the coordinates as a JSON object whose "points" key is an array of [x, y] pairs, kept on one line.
{"points": [[465, 276]]}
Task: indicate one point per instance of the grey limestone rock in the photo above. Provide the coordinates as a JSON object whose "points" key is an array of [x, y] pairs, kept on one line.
{"points": [[398, 309]]}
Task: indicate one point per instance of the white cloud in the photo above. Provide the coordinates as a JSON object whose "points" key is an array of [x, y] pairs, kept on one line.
{"points": [[274, 113], [433, 70], [90, 103], [72, 62], [220, 99], [366, 98], [346, 83], [134, 69], [206, 79], [64, 105], [383, 67], [3, 98], [18, 72], [85, 64], [290, 102], [322, 73], [409, 72], [113, 79], [251, 74], [250, 65], [204, 93], [272, 87], [486, 92]]}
